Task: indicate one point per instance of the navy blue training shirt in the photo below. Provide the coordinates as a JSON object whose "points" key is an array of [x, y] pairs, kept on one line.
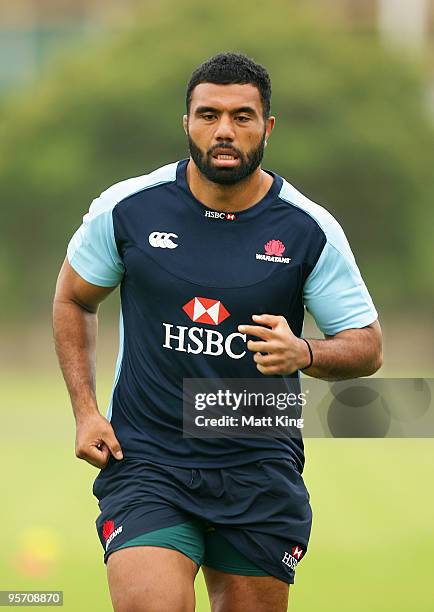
{"points": [[189, 275]]}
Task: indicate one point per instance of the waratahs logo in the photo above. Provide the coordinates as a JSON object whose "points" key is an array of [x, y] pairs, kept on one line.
{"points": [[107, 529], [274, 250], [274, 247], [195, 340], [109, 532]]}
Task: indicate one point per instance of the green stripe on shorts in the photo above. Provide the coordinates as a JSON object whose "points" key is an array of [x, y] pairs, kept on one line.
{"points": [[204, 546], [222, 556], [186, 538]]}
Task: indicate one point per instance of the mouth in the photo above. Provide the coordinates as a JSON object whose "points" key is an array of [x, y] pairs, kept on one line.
{"points": [[225, 158]]}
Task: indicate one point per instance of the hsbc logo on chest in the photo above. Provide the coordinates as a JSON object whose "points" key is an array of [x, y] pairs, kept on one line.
{"points": [[197, 340], [206, 310], [214, 214]]}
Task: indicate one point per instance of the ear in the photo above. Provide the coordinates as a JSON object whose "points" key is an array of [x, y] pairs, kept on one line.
{"points": [[185, 123], [271, 122]]}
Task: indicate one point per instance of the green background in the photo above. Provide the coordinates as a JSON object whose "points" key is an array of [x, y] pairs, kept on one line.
{"points": [[372, 537]]}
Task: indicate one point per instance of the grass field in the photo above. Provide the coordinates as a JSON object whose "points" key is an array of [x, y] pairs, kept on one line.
{"points": [[372, 544]]}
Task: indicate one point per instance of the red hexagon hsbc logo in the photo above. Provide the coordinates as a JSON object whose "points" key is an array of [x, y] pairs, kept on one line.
{"points": [[297, 552], [206, 310]]}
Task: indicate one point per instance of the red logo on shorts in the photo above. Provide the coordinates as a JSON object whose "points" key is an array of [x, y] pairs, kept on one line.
{"points": [[297, 553], [274, 247], [107, 529]]}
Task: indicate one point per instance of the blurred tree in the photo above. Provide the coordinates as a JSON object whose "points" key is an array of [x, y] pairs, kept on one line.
{"points": [[350, 134]]}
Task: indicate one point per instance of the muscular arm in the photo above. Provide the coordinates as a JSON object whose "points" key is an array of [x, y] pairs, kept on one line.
{"points": [[75, 327], [349, 354]]}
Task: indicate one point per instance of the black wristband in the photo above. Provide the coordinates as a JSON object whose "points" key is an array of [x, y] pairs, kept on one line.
{"points": [[310, 353]]}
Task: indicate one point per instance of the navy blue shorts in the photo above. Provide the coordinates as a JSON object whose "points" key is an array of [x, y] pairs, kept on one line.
{"points": [[252, 519]]}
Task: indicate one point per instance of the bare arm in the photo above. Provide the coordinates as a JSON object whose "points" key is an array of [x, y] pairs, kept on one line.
{"points": [[349, 354], [75, 327]]}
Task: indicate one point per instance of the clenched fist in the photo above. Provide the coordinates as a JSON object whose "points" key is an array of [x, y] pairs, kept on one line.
{"points": [[95, 440], [279, 351]]}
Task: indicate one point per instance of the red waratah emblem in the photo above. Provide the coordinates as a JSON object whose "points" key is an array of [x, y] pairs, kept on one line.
{"points": [[206, 310], [107, 529], [274, 247]]}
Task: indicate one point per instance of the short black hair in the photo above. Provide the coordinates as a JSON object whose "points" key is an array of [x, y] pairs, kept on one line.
{"points": [[232, 68]]}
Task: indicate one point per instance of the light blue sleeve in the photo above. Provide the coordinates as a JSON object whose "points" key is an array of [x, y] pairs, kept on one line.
{"points": [[92, 250], [334, 292]]}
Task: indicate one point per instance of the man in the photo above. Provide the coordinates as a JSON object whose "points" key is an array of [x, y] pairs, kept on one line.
{"points": [[216, 259]]}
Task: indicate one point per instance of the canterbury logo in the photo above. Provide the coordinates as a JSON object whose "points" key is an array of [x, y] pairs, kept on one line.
{"points": [[163, 240]]}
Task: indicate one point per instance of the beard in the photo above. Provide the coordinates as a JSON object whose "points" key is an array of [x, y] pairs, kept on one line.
{"points": [[227, 176]]}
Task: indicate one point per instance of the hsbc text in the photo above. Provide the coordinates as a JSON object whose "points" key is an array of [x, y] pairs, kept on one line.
{"points": [[214, 214], [197, 340]]}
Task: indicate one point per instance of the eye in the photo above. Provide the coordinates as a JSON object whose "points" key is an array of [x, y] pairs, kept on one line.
{"points": [[243, 118], [208, 116]]}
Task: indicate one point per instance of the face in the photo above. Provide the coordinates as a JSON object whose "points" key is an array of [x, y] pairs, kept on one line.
{"points": [[226, 131]]}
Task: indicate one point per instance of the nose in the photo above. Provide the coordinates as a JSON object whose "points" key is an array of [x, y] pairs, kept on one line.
{"points": [[224, 129]]}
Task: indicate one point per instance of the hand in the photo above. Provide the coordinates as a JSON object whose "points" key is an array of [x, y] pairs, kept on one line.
{"points": [[95, 440], [284, 352]]}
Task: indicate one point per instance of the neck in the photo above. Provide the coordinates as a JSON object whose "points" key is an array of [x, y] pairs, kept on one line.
{"points": [[228, 198]]}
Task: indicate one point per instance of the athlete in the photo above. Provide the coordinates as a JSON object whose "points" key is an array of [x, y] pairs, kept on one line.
{"points": [[216, 259]]}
